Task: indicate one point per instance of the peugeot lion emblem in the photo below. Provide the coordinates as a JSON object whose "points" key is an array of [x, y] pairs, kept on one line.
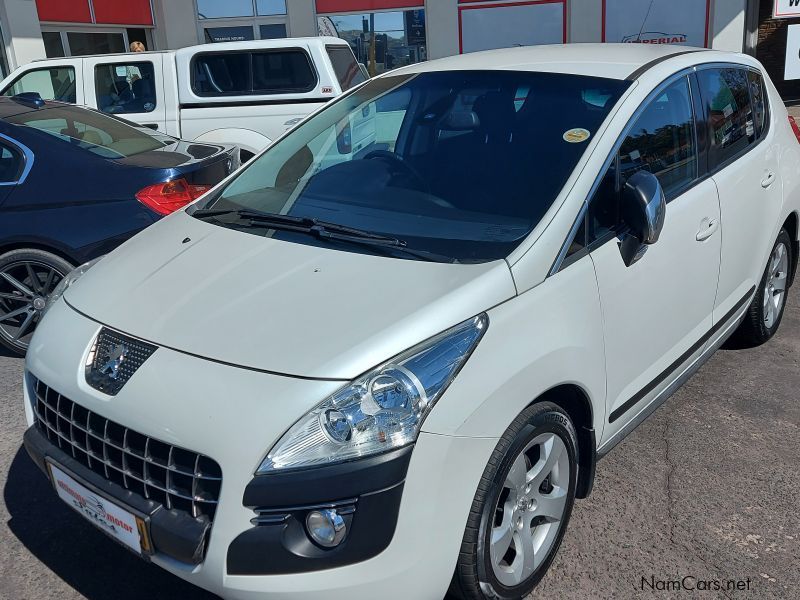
{"points": [[116, 356]]}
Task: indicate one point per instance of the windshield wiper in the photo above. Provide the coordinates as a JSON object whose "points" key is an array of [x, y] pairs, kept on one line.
{"points": [[323, 230]]}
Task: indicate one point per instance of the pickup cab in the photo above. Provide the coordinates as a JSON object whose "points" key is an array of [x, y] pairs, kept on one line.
{"points": [[243, 93]]}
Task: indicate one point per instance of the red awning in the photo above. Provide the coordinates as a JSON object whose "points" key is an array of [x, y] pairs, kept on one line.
{"points": [[333, 6], [106, 12]]}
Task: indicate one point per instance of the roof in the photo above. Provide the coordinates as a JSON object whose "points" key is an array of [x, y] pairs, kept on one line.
{"points": [[614, 61]]}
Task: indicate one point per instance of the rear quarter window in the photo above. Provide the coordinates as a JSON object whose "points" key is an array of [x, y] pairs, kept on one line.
{"points": [[250, 73], [348, 73]]}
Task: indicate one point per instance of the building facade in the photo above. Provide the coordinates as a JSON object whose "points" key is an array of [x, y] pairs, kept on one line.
{"points": [[386, 34]]}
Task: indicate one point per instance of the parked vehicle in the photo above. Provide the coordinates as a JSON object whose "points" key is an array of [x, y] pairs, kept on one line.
{"points": [[402, 363], [242, 93], [74, 184]]}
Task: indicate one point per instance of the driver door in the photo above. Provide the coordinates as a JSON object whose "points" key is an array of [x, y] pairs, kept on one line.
{"points": [[656, 311]]}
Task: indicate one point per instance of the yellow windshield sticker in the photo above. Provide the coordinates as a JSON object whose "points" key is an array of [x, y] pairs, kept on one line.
{"points": [[577, 135]]}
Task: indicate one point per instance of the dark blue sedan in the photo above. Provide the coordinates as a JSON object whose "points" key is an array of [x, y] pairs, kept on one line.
{"points": [[74, 184]]}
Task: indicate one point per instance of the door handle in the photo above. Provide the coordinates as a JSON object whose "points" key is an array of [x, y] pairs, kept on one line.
{"points": [[708, 227], [151, 126], [768, 180]]}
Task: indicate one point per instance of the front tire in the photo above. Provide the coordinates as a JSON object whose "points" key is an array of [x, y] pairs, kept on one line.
{"points": [[764, 315], [521, 509], [27, 277]]}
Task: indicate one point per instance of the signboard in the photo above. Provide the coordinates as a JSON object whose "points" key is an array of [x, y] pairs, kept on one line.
{"points": [[415, 27], [489, 26], [786, 9], [683, 22], [792, 68]]}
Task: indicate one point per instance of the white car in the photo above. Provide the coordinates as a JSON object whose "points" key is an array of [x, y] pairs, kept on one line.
{"points": [[389, 372], [242, 93]]}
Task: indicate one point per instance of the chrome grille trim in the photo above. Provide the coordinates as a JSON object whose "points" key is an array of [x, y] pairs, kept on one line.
{"points": [[179, 479]]}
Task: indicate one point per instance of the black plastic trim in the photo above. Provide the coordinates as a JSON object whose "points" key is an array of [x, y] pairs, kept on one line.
{"points": [[641, 394], [283, 547], [647, 66], [587, 462], [234, 103], [172, 533], [321, 485]]}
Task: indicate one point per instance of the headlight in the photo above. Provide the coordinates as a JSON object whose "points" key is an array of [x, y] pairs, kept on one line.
{"points": [[68, 280], [381, 410]]}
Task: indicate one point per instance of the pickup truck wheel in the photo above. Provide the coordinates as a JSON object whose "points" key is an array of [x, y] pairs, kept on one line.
{"points": [[27, 277], [521, 509], [766, 310]]}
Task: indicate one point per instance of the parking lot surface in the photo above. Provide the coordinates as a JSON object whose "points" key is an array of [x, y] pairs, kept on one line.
{"points": [[703, 492]]}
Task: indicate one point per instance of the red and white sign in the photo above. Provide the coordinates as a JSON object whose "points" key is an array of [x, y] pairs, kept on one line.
{"points": [[110, 518], [786, 9], [683, 22]]}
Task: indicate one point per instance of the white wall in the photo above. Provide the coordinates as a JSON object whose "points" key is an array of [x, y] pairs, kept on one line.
{"points": [[21, 32], [301, 17], [728, 24], [441, 27]]}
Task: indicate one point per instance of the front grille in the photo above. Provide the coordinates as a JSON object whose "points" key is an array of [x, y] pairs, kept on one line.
{"points": [[113, 360], [179, 479]]}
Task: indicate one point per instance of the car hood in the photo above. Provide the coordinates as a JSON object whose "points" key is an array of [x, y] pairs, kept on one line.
{"points": [[278, 306]]}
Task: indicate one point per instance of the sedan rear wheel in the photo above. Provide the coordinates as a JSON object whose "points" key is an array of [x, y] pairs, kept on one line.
{"points": [[27, 277]]}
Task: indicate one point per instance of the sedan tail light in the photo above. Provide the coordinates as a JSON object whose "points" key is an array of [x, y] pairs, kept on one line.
{"points": [[795, 128], [169, 196]]}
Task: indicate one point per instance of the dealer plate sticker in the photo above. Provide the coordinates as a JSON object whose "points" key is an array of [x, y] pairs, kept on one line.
{"points": [[110, 518]]}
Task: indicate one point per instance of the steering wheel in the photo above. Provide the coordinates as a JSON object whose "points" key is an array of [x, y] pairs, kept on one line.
{"points": [[422, 185]]}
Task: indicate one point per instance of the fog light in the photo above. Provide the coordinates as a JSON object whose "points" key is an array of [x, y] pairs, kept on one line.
{"points": [[326, 527]]}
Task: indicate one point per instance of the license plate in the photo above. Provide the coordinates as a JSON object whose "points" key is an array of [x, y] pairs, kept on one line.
{"points": [[121, 524]]}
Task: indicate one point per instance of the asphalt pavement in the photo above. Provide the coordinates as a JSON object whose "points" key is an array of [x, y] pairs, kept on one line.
{"points": [[705, 492]]}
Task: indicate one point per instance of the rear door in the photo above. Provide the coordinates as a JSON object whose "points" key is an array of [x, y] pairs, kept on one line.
{"points": [[744, 160], [131, 87], [58, 81]]}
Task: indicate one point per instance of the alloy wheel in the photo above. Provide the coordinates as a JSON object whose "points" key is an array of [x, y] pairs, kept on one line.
{"points": [[775, 286], [24, 289], [530, 508]]}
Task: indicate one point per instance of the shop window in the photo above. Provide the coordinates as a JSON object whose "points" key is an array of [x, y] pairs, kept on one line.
{"points": [[228, 34], [215, 9], [273, 31], [124, 88], [53, 46], [399, 37], [270, 7], [56, 83], [83, 43]]}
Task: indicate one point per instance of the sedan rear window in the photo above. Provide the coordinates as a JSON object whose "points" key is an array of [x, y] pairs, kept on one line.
{"points": [[457, 164], [100, 134]]}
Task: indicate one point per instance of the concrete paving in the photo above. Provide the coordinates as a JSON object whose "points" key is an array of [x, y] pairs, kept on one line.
{"points": [[706, 490]]}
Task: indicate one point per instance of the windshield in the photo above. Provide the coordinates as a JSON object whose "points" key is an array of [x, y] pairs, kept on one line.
{"points": [[100, 134], [462, 164]]}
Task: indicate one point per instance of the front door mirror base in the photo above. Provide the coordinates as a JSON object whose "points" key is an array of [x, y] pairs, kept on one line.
{"points": [[631, 248]]}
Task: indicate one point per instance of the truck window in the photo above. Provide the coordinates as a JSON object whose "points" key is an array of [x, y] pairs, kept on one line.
{"points": [[249, 73], [345, 66], [123, 88], [53, 83]]}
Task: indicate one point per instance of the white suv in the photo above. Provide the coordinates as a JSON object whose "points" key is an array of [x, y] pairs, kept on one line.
{"points": [[242, 93], [388, 370]]}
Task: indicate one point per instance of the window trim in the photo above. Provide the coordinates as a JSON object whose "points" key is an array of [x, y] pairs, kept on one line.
{"points": [[131, 63], [562, 260], [27, 160], [250, 52], [37, 69]]}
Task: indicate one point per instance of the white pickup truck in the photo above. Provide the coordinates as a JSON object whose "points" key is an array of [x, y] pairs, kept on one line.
{"points": [[243, 93]]}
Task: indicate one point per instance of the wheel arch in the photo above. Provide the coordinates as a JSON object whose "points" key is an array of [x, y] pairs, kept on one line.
{"points": [[24, 245], [792, 226], [574, 400]]}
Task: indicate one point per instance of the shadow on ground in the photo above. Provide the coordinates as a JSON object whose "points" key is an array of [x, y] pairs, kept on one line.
{"points": [[93, 564]]}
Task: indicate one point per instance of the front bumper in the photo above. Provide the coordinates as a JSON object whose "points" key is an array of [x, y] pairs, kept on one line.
{"points": [[411, 523]]}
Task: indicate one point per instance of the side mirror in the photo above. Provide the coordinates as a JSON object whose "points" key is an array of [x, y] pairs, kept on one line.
{"points": [[643, 209]]}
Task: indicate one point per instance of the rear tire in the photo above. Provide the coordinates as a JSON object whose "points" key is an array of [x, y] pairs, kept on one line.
{"points": [[521, 508], [764, 315], [27, 277]]}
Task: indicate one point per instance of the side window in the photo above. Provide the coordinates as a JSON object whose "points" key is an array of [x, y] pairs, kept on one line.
{"points": [[345, 66], [123, 88], [57, 83], [10, 164], [248, 73], [662, 141], [282, 72], [727, 98], [758, 98], [221, 74]]}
